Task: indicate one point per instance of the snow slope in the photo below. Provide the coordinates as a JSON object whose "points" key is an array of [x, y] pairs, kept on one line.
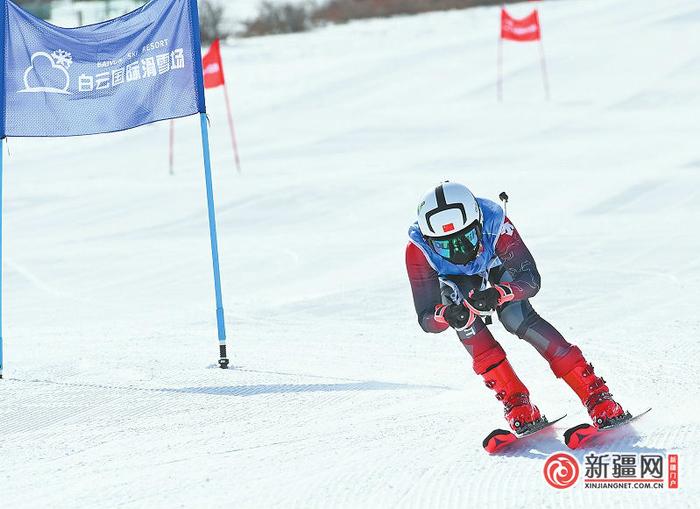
{"points": [[337, 398]]}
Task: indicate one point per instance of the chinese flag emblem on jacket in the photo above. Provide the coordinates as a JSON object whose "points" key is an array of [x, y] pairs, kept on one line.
{"points": [[213, 67], [522, 30]]}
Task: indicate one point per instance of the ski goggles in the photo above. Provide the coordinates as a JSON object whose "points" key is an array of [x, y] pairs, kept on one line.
{"points": [[461, 247]]}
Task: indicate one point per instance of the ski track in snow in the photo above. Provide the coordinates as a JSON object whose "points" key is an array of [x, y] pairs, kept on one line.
{"points": [[335, 397]]}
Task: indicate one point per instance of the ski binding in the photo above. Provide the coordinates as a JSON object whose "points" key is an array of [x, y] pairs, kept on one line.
{"points": [[578, 436], [499, 439]]}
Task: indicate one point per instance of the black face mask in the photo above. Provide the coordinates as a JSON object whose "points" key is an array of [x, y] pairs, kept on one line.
{"points": [[459, 248]]}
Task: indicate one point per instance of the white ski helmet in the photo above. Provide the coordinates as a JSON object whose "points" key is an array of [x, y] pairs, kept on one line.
{"points": [[450, 220]]}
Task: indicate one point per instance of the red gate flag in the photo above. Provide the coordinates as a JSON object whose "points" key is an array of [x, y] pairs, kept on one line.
{"points": [[213, 70], [213, 67], [522, 30]]}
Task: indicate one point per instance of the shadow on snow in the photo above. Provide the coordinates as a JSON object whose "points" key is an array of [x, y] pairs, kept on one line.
{"points": [[541, 445], [254, 390], [249, 390]]}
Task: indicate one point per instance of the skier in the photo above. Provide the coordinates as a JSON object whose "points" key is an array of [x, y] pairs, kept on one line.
{"points": [[465, 259]]}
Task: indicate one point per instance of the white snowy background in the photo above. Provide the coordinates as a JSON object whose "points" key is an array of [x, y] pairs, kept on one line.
{"points": [[336, 398], [68, 13]]}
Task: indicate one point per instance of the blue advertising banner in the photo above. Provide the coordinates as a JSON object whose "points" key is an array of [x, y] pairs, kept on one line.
{"points": [[140, 68]]}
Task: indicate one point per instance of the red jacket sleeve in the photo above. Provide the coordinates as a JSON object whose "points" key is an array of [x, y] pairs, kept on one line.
{"points": [[425, 286], [518, 269]]}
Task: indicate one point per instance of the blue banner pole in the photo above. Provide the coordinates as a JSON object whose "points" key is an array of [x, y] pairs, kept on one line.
{"points": [[223, 360], [2, 146], [3, 19]]}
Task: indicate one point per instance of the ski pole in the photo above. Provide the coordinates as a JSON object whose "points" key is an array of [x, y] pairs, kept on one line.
{"points": [[504, 198]]}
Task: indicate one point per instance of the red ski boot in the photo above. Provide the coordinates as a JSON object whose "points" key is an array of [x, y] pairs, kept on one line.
{"points": [[594, 394], [519, 412]]}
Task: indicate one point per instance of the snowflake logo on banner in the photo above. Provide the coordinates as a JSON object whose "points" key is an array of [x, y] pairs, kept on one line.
{"points": [[47, 73], [62, 57]]}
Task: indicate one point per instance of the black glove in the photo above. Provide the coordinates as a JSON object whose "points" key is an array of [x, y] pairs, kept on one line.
{"points": [[456, 316], [488, 300]]}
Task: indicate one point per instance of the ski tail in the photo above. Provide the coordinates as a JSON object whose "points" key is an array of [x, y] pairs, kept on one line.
{"points": [[497, 440], [578, 435]]}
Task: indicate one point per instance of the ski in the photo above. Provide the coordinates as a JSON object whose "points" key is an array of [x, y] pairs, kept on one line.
{"points": [[499, 439], [578, 436]]}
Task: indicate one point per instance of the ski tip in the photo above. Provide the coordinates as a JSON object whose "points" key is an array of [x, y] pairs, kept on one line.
{"points": [[555, 420], [578, 435], [627, 418], [498, 439], [637, 416]]}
